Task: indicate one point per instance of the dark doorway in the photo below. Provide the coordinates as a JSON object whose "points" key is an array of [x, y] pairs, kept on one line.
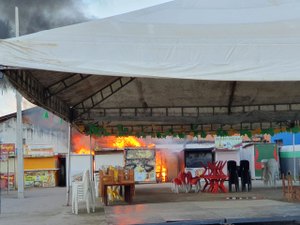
{"points": [[62, 171]]}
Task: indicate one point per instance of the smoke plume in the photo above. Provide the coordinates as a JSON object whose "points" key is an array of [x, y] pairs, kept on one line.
{"points": [[37, 15]]}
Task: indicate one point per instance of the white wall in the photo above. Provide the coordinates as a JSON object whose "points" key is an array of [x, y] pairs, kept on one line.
{"points": [[58, 140], [109, 160], [247, 153], [79, 163], [226, 156], [8, 166]]}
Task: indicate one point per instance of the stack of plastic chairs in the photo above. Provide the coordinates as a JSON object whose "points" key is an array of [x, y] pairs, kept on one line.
{"points": [[233, 177], [245, 175], [83, 191], [96, 182]]}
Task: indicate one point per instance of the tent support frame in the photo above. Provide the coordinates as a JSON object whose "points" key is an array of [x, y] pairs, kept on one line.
{"points": [[65, 84], [104, 94], [34, 91], [198, 115]]}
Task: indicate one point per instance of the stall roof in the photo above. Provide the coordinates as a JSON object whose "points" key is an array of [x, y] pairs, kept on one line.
{"points": [[198, 149], [179, 63]]}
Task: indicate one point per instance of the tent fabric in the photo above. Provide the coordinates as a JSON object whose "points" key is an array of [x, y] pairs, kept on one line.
{"points": [[228, 40]]}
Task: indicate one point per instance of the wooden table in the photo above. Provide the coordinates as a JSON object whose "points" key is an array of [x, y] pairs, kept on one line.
{"points": [[128, 190]]}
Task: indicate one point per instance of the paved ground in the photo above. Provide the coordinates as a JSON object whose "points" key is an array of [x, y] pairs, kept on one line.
{"points": [[161, 212], [45, 206], [152, 203]]}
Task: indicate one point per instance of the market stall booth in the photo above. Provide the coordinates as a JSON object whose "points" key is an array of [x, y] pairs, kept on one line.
{"points": [[167, 164], [100, 153], [290, 160], [7, 166], [228, 148], [255, 153], [195, 157], [40, 166]]}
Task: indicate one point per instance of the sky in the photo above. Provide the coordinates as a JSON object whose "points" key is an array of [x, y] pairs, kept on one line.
{"points": [[37, 15]]}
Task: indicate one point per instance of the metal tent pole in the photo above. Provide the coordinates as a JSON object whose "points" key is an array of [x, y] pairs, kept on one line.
{"points": [[69, 166], [19, 141], [91, 160], [0, 175]]}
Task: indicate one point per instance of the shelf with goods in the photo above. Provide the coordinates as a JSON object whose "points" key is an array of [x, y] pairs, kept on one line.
{"points": [[7, 173], [40, 168], [40, 171], [7, 166]]}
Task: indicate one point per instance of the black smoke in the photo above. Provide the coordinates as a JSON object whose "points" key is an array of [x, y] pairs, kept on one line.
{"points": [[38, 15], [5, 29]]}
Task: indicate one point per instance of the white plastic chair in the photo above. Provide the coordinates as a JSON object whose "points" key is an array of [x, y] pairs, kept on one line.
{"points": [[82, 191], [96, 186]]}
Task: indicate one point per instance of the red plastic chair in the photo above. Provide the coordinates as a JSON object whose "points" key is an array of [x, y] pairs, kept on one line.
{"points": [[176, 184], [192, 182], [179, 183]]}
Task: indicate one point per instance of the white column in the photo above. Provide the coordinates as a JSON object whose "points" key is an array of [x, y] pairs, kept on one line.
{"points": [[68, 164], [91, 160], [19, 129], [294, 156]]}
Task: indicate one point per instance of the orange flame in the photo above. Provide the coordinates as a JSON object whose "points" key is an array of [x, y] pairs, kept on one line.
{"points": [[164, 174], [130, 141], [80, 144], [121, 142], [83, 151], [161, 169]]}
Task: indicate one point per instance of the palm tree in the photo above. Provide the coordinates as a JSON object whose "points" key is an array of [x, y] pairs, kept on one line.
{"points": [[4, 83]]}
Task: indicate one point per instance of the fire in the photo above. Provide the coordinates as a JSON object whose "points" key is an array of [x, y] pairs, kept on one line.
{"points": [[83, 151], [151, 146], [164, 174], [81, 144], [161, 170], [130, 141]]}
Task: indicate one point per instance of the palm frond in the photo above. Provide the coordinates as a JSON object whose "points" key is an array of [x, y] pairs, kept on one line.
{"points": [[5, 85]]}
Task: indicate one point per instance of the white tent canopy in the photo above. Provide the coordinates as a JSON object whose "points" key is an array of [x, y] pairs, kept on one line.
{"points": [[192, 39]]}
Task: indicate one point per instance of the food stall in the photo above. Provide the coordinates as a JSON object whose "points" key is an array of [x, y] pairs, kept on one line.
{"points": [[255, 153], [7, 166], [40, 166], [290, 159], [228, 148], [195, 156]]}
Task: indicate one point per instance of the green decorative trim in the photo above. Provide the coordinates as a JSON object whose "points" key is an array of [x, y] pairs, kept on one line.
{"points": [[194, 129], [181, 135], [203, 134], [97, 131], [221, 133], [268, 131], [246, 132], [289, 154], [93, 129], [46, 115]]}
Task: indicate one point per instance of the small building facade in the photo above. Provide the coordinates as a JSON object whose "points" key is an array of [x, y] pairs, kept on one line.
{"points": [[45, 145]]}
